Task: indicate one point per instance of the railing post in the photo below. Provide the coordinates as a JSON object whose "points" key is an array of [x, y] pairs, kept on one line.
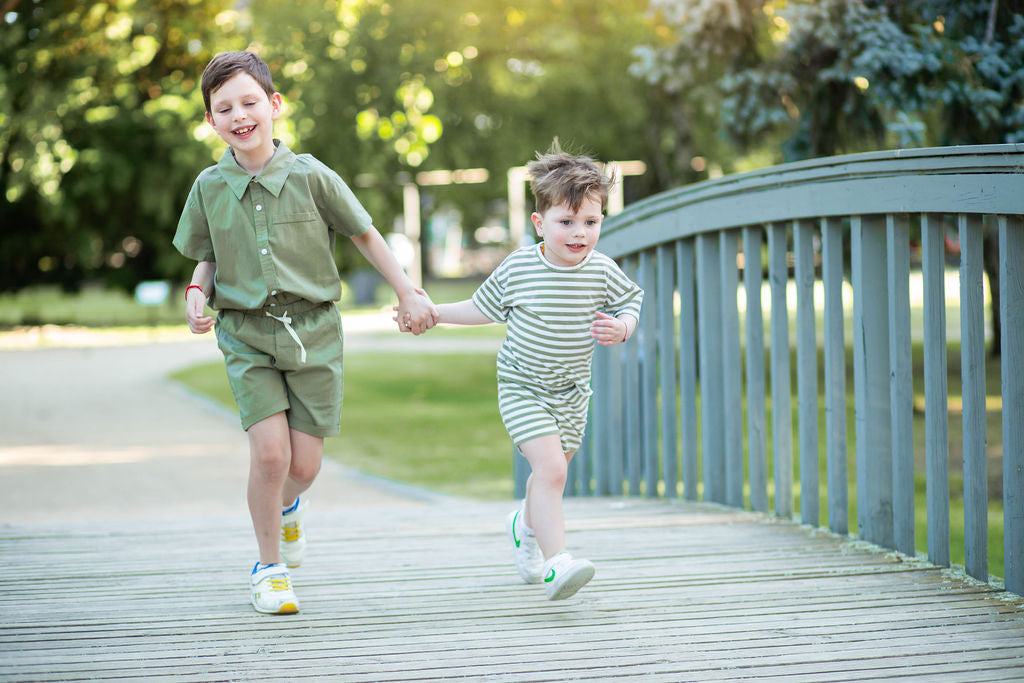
{"points": [[806, 371], [709, 330], [520, 473], [782, 419], [649, 367], [835, 375], [936, 415], [686, 279], [871, 380], [901, 382], [972, 368], [667, 364], [757, 433], [601, 418], [732, 406], [1011, 304]]}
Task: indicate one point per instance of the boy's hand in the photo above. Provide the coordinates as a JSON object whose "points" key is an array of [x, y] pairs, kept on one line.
{"points": [[415, 313], [608, 331], [198, 322]]}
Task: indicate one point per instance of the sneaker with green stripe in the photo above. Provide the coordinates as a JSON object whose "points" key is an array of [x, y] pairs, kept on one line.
{"points": [[526, 554], [564, 575]]}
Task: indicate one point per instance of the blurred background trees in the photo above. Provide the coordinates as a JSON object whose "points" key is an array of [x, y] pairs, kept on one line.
{"points": [[102, 132]]}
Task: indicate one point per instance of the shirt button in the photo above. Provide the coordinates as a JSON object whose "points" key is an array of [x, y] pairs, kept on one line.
{"points": [[273, 292], [263, 251], [273, 304], [259, 207]]}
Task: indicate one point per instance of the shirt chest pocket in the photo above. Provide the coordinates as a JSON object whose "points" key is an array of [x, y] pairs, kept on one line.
{"points": [[287, 219], [298, 235]]}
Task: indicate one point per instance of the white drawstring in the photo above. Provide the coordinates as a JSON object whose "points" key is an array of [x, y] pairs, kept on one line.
{"points": [[287, 322]]}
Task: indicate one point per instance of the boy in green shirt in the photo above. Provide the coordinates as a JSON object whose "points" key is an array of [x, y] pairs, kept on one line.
{"points": [[262, 224]]}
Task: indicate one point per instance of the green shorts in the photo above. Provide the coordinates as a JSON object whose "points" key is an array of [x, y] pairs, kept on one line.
{"points": [[266, 369], [532, 411]]}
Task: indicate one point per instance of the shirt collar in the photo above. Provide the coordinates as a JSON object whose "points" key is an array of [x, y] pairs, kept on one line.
{"points": [[272, 177]]}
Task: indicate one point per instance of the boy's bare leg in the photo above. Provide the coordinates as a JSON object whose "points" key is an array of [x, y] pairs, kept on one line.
{"points": [[270, 455], [544, 491], [307, 455]]}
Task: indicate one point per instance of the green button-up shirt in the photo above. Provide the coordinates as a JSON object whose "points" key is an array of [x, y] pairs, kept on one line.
{"points": [[271, 233]]}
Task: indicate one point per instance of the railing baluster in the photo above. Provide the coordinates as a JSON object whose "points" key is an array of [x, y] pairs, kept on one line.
{"points": [[709, 330], [871, 380], [1011, 305], [667, 364], [649, 386], [806, 371], [601, 418], [901, 381], [972, 368], [757, 433], [685, 275], [618, 443], [782, 421], [936, 415], [631, 395], [835, 375], [732, 406]]}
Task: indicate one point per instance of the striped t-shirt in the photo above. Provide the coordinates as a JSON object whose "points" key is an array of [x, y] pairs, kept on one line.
{"points": [[549, 310]]}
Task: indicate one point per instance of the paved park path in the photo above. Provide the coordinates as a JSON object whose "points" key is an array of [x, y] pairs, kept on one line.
{"points": [[94, 431]]}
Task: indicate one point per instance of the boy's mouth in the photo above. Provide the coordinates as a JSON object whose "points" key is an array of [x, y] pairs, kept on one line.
{"points": [[576, 246], [244, 132]]}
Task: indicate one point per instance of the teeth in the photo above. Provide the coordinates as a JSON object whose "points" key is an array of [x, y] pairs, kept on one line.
{"points": [[243, 131]]}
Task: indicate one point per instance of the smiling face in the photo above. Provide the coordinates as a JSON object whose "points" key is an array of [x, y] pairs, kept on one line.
{"points": [[243, 115], [569, 236]]}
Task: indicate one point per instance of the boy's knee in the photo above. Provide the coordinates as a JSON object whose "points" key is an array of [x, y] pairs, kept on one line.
{"points": [[271, 460], [304, 471], [552, 472]]}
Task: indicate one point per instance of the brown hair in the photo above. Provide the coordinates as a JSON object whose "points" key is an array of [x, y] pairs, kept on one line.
{"points": [[227, 64], [558, 177]]}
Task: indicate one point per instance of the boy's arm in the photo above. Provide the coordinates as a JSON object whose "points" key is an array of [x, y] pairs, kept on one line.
{"points": [[462, 313], [609, 331], [195, 299], [414, 308]]}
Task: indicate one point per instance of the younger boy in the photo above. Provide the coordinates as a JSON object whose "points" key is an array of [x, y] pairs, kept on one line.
{"points": [[557, 298], [262, 224]]}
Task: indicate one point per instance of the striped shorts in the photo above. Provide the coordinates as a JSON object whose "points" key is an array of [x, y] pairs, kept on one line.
{"points": [[531, 411]]}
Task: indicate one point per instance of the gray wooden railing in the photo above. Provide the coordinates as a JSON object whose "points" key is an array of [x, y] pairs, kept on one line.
{"points": [[668, 409]]}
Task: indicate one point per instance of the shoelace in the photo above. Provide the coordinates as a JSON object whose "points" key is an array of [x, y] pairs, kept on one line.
{"points": [[287, 322], [291, 533], [280, 584]]}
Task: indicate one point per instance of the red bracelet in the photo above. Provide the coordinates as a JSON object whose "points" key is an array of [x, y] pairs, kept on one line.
{"points": [[194, 287]]}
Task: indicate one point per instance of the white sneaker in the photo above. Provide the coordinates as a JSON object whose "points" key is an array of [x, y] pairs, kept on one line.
{"points": [[293, 539], [526, 554], [563, 575], [272, 591]]}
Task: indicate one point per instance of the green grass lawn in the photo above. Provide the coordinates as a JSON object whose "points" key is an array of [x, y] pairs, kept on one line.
{"points": [[426, 419]]}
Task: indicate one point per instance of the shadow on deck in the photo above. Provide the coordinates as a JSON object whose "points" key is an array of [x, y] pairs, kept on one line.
{"points": [[683, 592]]}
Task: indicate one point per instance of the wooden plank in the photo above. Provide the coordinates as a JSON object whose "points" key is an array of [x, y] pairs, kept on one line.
{"points": [[871, 380], [668, 380], [782, 428], [732, 406], [936, 415], [972, 369], [1011, 310], [648, 344], [757, 431], [686, 279], [806, 370], [835, 375], [709, 334], [901, 381]]}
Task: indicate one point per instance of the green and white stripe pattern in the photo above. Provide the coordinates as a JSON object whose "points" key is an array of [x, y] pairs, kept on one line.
{"points": [[548, 348]]}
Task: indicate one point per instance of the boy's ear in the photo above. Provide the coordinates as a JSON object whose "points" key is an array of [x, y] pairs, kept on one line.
{"points": [[537, 223], [276, 106], [209, 119]]}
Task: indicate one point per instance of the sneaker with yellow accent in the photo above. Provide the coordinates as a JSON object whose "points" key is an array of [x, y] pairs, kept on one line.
{"points": [[564, 575], [526, 554], [272, 591], [293, 539]]}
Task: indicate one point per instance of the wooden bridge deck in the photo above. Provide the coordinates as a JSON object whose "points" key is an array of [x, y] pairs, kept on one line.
{"points": [[682, 592]]}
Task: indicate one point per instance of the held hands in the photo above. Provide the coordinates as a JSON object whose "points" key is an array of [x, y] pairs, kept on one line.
{"points": [[198, 322], [415, 313], [608, 331]]}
